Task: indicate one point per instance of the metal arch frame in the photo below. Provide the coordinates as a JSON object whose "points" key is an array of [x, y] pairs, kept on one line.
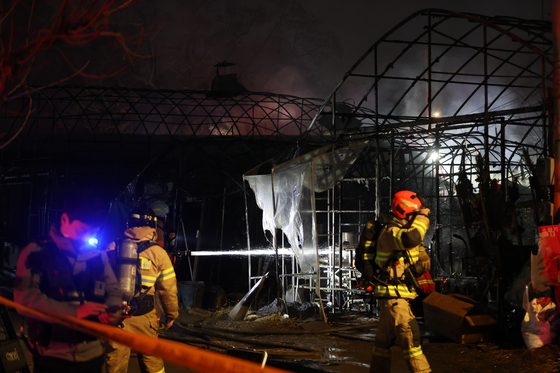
{"points": [[67, 120], [526, 26], [150, 113], [536, 46], [500, 133], [166, 114], [223, 112], [74, 130]]}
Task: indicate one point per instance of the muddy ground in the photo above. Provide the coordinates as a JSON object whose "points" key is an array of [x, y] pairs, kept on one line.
{"points": [[344, 344]]}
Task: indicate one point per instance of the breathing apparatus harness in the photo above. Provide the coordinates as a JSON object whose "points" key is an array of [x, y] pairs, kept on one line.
{"points": [[59, 282], [136, 301], [412, 270], [380, 274]]}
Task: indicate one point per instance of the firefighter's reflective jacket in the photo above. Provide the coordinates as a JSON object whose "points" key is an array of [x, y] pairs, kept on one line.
{"points": [[397, 238], [50, 277], [156, 270]]}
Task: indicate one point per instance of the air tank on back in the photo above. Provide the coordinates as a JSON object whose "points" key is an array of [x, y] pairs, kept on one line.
{"points": [[127, 259]]}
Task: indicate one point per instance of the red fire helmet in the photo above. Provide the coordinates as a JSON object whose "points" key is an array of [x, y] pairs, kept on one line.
{"points": [[406, 202]]}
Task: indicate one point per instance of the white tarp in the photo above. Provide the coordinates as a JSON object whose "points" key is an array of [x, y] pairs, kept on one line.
{"points": [[293, 185]]}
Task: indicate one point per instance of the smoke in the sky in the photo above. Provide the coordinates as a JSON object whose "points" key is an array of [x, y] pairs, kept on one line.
{"points": [[281, 46], [276, 45]]}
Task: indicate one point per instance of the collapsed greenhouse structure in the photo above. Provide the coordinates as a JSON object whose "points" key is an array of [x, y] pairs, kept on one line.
{"points": [[454, 106]]}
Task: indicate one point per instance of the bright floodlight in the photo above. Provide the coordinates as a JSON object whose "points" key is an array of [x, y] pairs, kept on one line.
{"points": [[434, 156], [436, 114]]}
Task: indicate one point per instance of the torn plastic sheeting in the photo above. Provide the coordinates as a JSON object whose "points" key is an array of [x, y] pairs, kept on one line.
{"points": [[330, 168], [294, 184], [261, 186], [295, 213]]}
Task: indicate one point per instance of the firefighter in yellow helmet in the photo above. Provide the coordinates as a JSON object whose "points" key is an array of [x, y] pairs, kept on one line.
{"points": [[157, 273], [398, 248]]}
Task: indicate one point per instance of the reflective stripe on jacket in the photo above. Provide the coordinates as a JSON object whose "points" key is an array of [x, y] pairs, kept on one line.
{"points": [[396, 238], [157, 271]]}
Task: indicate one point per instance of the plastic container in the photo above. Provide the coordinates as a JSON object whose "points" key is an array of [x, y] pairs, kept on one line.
{"points": [[192, 293]]}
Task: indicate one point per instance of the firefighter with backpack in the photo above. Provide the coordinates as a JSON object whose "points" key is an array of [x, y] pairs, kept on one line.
{"points": [[365, 256], [156, 273], [399, 259]]}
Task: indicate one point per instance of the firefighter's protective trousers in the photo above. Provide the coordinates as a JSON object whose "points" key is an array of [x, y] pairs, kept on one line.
{"points": [[118, 355], [397, 324]]}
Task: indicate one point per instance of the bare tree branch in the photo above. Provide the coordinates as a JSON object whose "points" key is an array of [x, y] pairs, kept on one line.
{"points": [[70, 23], [21, 128], [29, 28]]}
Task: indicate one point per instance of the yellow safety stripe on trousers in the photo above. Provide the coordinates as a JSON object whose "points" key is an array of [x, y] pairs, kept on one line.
{"points": [[383, 352], [413, 352], [166, 274], [148, 280], [368, 243], [161, 371], [420, 226], [145, 263], [391, 292]]}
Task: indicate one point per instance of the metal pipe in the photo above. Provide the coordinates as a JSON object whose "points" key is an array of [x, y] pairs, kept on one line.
{"points": [[377, 155], [199, 238], [556, 105], [340, 246]]}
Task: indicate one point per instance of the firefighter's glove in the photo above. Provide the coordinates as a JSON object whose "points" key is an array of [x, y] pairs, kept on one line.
{"points": [[424, 259], [168, 325]]}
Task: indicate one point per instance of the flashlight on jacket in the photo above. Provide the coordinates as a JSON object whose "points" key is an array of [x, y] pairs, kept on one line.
{"points": [[92, 241]]}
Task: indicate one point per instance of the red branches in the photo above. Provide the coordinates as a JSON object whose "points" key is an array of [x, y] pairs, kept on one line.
{"points": [[30, 27]]}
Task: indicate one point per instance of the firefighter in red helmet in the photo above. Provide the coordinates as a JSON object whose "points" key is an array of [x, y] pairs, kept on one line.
{"points": [[400, 248]]}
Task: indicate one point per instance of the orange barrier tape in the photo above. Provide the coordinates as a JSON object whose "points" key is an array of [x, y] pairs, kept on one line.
{"points": [[186, 356]]}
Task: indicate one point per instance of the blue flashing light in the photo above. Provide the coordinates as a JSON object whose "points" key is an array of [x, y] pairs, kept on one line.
{"points": [[92, 241]]}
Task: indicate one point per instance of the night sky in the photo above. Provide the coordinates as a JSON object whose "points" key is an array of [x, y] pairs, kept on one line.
{"points": [[294, 47], [302, 48]]}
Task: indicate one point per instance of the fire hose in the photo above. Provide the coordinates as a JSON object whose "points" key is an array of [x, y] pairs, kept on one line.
{"points": [[180, 354]]}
